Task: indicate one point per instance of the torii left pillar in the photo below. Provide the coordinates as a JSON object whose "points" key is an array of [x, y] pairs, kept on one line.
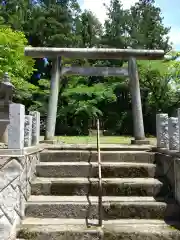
{"points": [[138, 124], [53, 100]]}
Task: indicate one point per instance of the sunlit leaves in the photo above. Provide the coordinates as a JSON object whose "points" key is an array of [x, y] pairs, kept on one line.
{"points": [[13, 61]]}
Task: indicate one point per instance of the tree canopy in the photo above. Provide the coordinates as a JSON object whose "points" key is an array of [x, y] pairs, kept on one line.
{"points": [[63, 23]]}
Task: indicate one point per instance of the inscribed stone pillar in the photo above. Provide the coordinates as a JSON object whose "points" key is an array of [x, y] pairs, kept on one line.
{"points": [[136, 101], [162, 130], [16, 126], [53, 99], [173, 129], [35, 127], [28, 131]]}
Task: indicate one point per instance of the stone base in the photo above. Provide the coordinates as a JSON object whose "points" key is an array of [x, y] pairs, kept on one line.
{"points": [[49, 141], [140, 142]]}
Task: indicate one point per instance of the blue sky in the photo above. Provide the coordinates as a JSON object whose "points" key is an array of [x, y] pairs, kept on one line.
{"points": [[170, 12]]}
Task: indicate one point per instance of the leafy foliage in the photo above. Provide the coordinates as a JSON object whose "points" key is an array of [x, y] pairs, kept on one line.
{"points": [[62, 23], [146, 29], [13, 61]]}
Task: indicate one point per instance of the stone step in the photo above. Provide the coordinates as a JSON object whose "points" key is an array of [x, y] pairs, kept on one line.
{"points": [[91, 156], [58, 230], [30, 221], [84, 169], [85, 186], [77, 229], [141, 232], [104, 147], [82, 207]]}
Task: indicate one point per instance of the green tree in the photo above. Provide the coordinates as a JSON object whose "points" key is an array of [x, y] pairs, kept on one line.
{"points": [[116, 26], [160, 79], [79, 103], [91, 29], [145, 28], [13, 61], [58, 19], [15, 13]]}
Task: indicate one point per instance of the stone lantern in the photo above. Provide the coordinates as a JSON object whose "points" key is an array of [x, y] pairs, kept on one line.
{"points": [[6, 93]]}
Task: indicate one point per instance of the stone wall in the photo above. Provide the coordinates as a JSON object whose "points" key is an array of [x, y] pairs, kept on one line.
{"points": [[168, 171], [16, 173]]}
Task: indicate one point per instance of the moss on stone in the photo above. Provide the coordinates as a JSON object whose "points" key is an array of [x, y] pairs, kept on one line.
{"points": [[26, 234]]}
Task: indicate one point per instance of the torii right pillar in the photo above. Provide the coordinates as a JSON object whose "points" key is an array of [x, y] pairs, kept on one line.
{"points": [[138, 124]]}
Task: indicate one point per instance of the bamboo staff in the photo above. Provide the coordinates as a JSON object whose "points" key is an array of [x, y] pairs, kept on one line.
{"points": [[100, 177]]}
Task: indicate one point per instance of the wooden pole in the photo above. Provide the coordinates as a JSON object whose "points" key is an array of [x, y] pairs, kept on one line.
{"points": [[53, 99], [100, 177]]}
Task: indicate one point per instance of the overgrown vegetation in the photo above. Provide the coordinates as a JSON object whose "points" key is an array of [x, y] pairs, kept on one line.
{"points": [[63, 24]]}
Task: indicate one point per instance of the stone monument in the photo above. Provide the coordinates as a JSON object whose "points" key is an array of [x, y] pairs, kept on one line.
{"points": [[162, 131], [173, 129], [6, 93]]}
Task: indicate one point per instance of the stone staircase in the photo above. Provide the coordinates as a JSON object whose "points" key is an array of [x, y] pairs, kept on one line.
{"points": [[64, 200]]}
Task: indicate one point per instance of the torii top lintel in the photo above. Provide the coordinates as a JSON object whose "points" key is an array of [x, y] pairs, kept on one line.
{"points": [[94, 53]]}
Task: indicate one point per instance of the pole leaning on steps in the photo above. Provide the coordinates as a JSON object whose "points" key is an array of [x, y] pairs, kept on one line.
{"points": [[100, 176]]}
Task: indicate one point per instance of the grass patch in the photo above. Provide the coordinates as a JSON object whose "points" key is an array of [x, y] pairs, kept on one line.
{"points": [[103, 139]]}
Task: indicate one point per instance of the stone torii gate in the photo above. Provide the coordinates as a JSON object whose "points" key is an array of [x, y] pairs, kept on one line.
{"points": [[93, 53]]}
